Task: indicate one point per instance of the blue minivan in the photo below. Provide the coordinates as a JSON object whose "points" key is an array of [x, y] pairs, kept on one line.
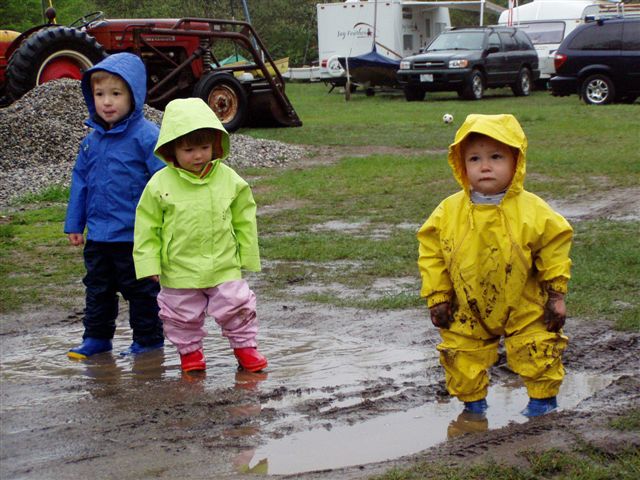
{"points": [[600, 61]]}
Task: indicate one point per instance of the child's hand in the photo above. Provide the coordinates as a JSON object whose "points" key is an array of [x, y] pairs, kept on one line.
{"points": [[155, 278], [76, 239], [441, 315], [555, 311]]}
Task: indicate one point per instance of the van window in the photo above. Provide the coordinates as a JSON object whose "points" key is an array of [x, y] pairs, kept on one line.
{"points": [[543, 32], [494, 41], [598, 37], [631, 36], [524, 43], [508, 41]]}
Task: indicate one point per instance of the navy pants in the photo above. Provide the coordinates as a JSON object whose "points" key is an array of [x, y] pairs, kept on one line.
{"points": [[110, 270]]}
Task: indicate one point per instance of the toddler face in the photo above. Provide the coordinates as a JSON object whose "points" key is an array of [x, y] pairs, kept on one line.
{"points": [[112, 99], [489, 164], [194, 158]]}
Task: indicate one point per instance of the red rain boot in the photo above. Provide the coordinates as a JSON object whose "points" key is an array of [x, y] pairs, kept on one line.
{"points": [[193, 361], [250, 359]]}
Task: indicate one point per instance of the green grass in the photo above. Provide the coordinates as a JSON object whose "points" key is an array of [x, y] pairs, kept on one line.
{"points": [[567, 139], [586, 464], [36, 262], [630, 422]]}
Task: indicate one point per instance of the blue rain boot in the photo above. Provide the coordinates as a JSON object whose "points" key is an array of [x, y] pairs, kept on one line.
{"points": [[136, 348], [540, 406], [478, 407], [90, 346]]}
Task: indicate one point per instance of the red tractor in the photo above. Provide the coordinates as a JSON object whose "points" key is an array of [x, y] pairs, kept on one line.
{"points": [[181, 56]]}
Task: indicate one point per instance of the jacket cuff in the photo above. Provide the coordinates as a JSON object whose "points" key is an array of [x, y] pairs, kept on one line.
{"points": [[250, 262], [146, 268], [558, 284], [437, 298]]}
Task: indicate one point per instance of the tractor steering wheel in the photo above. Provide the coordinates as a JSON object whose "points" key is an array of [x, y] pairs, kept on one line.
{"points": [[86, 19]]}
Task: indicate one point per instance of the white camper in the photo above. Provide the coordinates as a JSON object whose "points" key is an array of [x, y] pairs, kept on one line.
{"points": [[548, 22], [399, 27]]}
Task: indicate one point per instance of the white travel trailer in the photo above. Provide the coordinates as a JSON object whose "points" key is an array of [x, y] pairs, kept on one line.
{"points": [[398, 27], [548, 22]]}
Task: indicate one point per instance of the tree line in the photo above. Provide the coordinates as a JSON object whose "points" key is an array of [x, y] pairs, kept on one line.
{"points": [[287, 27]]}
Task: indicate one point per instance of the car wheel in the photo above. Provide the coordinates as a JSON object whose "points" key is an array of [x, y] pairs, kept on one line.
{"points": [[598, 89], [522, 87], [414, 94], [475, 86]]}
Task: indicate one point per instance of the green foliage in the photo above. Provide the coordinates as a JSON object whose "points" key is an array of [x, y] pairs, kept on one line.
{"points": [[20, 15], [288, 28]]}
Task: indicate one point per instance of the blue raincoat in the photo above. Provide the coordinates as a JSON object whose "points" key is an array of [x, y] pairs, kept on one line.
{"points": [[113, 165]]}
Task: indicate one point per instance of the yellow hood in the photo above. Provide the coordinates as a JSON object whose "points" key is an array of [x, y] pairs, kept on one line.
{"points": [[503, 128]]}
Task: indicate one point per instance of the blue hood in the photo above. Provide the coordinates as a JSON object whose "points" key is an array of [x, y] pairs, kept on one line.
{"points": [[130, 68]]}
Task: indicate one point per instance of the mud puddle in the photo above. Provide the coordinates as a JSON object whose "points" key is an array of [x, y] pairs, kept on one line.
{"points": [[399, 434], [328, 399]]}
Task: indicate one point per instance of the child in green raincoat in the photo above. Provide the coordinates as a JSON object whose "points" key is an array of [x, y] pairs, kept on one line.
{"points": [[195, 232], [494, 261]]}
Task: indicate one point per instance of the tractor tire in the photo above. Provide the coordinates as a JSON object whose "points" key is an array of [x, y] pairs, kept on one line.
{"points": [[50, 54], [226, 97]]}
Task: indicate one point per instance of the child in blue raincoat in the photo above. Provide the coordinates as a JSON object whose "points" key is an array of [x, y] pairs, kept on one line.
{"points": [[113, 166]]}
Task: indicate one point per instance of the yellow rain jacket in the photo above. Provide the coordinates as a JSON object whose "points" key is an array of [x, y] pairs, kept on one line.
{"points": [[494, 264]]}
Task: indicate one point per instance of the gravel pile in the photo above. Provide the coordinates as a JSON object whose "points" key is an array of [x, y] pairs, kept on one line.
{"points": [[41, 132]]}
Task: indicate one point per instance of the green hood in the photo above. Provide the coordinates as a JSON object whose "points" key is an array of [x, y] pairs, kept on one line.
{"points": [[503, 128], [185, 115]]}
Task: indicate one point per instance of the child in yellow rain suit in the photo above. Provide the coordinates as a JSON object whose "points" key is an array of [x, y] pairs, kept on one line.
{"points": [[494, 261]]}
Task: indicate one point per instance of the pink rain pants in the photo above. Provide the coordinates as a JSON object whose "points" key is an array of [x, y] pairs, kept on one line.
{"points": [[232, 305]]}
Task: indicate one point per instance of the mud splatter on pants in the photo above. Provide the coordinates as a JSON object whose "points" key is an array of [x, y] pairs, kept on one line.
{"points": [[532, 352]]}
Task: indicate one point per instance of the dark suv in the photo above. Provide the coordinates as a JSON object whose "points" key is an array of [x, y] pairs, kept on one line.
{"points": [[470, 60], [600, 61]]}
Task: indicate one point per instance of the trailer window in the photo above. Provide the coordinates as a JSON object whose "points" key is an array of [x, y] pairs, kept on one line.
{"points": [[543, 32], [407, 43]]}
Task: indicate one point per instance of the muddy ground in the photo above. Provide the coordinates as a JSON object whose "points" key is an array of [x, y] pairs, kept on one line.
{"points": [[348, 394]]}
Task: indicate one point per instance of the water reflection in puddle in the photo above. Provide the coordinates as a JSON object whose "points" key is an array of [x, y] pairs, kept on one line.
{"points": [[337, 371], [403, 433]]}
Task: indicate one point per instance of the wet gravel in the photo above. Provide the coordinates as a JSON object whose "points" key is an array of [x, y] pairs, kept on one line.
{"points": [[41, 132]]}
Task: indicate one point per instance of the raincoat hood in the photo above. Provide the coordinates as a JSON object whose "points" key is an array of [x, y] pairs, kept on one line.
{"points": [[185, 115], [130, 68], [505, 129]]}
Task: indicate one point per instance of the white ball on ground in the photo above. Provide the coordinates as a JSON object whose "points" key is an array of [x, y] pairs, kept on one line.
{"points": [[447, 118]]}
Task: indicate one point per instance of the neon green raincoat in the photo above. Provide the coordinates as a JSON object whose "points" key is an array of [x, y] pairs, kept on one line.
{"points": [[494, 264], [195, 232]]}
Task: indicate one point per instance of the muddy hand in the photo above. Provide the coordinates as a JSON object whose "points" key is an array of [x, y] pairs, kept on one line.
{"points": [[441, 315], [555, 311]]}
